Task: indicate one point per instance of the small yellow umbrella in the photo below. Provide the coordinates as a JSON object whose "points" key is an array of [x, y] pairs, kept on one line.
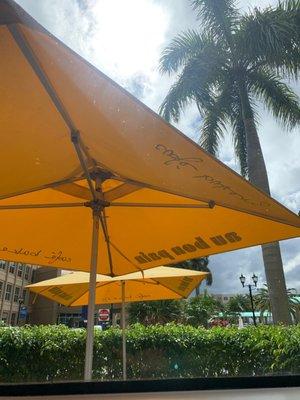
{"points": [[158, 283]]}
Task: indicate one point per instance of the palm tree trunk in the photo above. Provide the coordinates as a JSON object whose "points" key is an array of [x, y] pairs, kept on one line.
{"points": [[257, 173]]}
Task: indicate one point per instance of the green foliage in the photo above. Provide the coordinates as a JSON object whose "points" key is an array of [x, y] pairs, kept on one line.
{"points": [[195, 311], [262, 301], [232, 60], [239, 303], [199, 310], [198, 264], [155, 312], [54, 353]]}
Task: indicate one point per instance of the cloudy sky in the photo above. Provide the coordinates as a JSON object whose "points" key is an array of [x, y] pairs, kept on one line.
{"points": [[124, 39]]}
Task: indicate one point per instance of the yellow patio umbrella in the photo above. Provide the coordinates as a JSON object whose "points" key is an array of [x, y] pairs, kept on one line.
{"points": [[158, 283], [77, 151]]}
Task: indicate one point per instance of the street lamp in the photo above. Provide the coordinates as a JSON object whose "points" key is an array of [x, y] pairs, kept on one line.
{"points": [[255, 280], [21, 301]]}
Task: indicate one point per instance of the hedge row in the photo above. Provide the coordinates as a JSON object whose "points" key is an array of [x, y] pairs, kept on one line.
{"points": [[53, 353]]}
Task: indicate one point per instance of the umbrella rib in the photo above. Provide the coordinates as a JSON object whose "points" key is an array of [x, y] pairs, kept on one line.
{"points": [[126, 258], [172, 290], [31, 57], [163, 205], [75, 138], [99, 285], [107, 241], [35, 64], [54, 205]]}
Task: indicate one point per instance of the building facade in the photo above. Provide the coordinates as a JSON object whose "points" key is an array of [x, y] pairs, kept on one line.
{"points": [[222, 298], [14, 297]]}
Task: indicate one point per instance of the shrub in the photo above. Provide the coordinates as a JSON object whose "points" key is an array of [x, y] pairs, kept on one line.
{"points": [[53, 353]]}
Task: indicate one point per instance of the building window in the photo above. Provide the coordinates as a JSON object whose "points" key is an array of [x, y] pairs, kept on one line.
{"points": [[24, 294], [3, 265], [17, 294], [20, 270], [13, 319], [12, 267], [27, 272], [71, 320], [1, 289], [8, 292]]}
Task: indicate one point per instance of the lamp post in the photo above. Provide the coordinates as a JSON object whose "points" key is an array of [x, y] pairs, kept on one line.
{"points": [[255, 280], [21, 301]]}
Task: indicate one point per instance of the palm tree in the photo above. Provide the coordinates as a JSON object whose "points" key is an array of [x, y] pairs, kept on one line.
{"points": [[262, 301], [198, 264], [224, 68], [239, 303], [156, 312]]}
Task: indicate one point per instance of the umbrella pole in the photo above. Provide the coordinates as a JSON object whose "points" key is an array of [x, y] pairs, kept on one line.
{"points": [[124, 333], [88, 368]]}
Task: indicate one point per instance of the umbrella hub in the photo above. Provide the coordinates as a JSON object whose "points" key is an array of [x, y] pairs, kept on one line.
{"points": [[97, 205]]}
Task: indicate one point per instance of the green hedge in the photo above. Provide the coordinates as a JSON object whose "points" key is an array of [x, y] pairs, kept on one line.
{"points": [[52, 353]]}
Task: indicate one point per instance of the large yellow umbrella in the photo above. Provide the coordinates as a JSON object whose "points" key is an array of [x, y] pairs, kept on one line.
{"points": [[158, 283], [76, 151]]}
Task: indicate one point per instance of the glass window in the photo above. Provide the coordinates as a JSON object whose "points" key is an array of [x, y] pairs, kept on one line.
{"points": [[2, 264], [12, 267], [27, 272], [20, 270], [13, 319], [1, 289], [24, 294], [8, 292], [17, 294]]}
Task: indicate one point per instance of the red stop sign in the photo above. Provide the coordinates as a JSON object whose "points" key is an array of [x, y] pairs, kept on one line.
{"points": [[104, 314]]}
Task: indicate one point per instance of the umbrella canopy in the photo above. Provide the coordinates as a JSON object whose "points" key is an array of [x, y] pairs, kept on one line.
{"points": [[158, 283], [60, 119], [153, 284]]}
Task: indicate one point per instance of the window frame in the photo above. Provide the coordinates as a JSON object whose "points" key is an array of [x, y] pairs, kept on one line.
{"points": [[8, 292]]}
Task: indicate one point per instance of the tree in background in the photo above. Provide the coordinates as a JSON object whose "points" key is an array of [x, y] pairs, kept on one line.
{"points": [[224, 68], [239, 303], [199, 310], [196, 311], [155, 312], [262, 302], [198, 264]]}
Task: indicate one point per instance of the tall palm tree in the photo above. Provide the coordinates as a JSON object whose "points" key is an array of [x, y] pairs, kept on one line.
{"points": [[224, 68], [198, 264], [262, 301]]}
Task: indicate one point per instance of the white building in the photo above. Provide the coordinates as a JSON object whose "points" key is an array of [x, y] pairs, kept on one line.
{"points": [[223, 298]]}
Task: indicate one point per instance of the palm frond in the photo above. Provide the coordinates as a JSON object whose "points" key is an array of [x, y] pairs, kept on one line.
{"points": [[179, 96], [277, 95], [189, 46], [217, 16], [271, 37], [215, 119], [195, 83], [181, 49]]}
